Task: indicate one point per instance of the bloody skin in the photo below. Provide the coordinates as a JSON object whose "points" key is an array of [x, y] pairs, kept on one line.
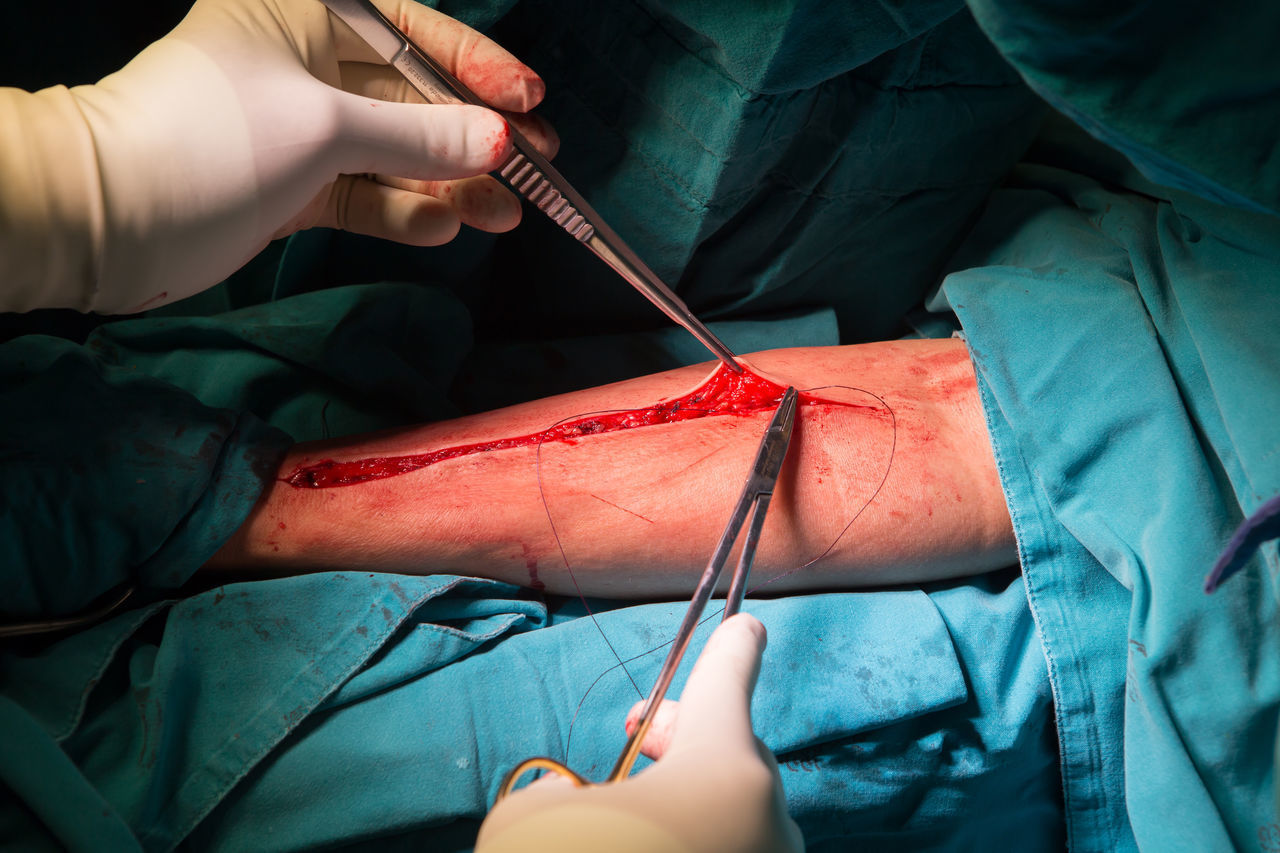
{"points": [[642, 509], [724, 393]]}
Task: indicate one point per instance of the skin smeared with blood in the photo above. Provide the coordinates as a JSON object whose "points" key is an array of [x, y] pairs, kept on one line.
{"points": [[724, 393]]}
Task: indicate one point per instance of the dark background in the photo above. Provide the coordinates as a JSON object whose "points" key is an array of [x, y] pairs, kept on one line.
{"points": [[81, 41]]}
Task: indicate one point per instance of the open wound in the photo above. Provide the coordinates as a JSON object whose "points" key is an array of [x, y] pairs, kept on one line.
{"points": [[724, 393]]}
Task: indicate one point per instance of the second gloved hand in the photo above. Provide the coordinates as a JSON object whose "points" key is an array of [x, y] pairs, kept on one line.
{"points": [[257, 118], [714, 788]]}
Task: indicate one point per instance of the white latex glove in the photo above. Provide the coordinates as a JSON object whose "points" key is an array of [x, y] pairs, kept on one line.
{"points": [[715, 787], [251, 120]]}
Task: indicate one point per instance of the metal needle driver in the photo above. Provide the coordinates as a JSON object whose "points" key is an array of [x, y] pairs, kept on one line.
{"points": [[526, 171], [748, 513]]}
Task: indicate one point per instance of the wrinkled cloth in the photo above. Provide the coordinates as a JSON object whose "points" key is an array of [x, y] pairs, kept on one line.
{"points": [[364, 708], [114, 478], [1131, 379], [157, 715], [1186, 93]]}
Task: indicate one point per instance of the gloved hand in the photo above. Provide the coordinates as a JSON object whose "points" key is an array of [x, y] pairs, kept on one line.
{"points": [[715, 787], [251, 120]]}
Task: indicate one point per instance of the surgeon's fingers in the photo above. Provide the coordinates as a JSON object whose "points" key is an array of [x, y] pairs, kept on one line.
{"points": [[715, 706], [480, 202], [717, 697], [658, 739], [364, 206], [429, 143], [491, 72], [538, 131], [388, 84]]}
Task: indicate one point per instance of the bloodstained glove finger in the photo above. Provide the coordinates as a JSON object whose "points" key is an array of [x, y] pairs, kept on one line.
{"points": [[496, 76], [387, 84], [658, 739], [538, 131], [480, 202], [364, 206], [437, 142]]}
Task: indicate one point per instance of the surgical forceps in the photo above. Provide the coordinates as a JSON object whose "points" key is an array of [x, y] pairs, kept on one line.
{"points": [[748, 512], [526, 171]]}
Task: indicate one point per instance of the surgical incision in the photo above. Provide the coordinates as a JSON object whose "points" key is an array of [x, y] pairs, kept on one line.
{"points": [[724, 393]]}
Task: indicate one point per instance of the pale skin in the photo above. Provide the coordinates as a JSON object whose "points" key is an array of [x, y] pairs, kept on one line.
{"points": [[636, 513]]}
